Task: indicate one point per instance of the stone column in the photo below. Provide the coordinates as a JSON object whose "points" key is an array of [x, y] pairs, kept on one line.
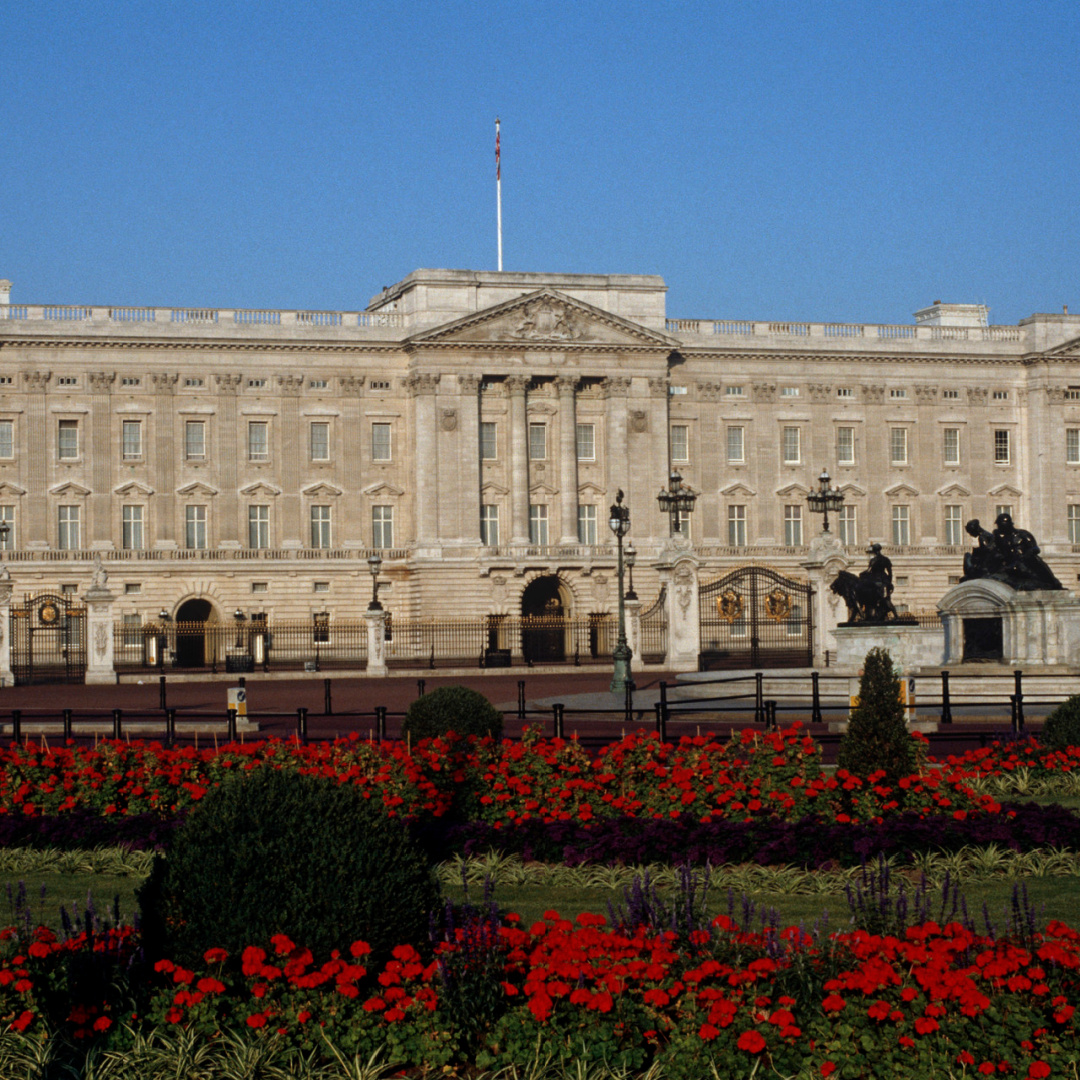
{"points": [[519, 460], [568, 474], [469, 516], [226, 450], [294, 450], [7, 677], [35, 530], [616, 458], [422, 387], [824, 560], [168, 443], [376, 642], [633, 633], [660, 453], [100, 452], [678, 570], [99, 629]]}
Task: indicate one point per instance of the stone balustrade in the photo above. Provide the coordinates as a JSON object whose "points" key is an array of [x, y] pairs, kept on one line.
{"points": [[868, 332]]}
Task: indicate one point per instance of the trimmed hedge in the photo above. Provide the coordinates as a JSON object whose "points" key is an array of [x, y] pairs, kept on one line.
{"points": [[452, 708]]}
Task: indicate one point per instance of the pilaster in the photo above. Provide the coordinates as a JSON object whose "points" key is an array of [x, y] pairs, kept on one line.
{"points": [[376, 642], [517, 385], [568, 472], [422, 387]]}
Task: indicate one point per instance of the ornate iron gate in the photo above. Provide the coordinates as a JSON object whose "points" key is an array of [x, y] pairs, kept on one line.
{"points": [[755, 617], [48, 640]]}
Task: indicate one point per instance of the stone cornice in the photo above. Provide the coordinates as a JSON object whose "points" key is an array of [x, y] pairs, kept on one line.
{"points": [[208, 346]]}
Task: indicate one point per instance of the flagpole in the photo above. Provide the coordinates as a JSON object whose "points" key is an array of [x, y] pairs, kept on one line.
{"points": [[498, 191]]}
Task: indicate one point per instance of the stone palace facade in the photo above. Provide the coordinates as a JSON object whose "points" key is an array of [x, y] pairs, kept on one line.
{"points": [[473, 428]]}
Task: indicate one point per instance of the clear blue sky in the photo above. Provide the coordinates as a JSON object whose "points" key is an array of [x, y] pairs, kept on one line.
{"points": [[833, 161]]}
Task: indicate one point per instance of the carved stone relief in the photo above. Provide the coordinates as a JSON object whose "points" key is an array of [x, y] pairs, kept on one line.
{"points": [[448, 419], [37, 381], [709, 391], [422, 383], [616, 385], [764, 392], [546, 319], [164, 382], [101, 381], [819, 392], [926, 395], [101, 640], [639, 421], [227, 384], [977, 395], [875, 395], [351, 384]]}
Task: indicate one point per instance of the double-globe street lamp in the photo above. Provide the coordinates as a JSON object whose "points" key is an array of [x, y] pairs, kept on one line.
{"points": [[826, 498], [677, 501], [619, 520]]}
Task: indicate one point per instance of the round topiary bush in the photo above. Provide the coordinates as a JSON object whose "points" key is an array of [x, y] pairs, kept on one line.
{"points": [[274, 851], [1062, 726], [452, 708]]}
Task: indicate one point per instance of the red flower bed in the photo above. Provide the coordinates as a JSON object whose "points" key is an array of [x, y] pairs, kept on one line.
{"points": [[758, 776], [1002, 758], [936, 999]]}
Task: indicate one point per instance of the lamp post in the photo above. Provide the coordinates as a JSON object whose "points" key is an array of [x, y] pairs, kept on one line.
{"points": [[826, 498], [631, 559], [5, 532], [238, 615], [619, 520], [676, 500], [160, 640], [374, 565]]}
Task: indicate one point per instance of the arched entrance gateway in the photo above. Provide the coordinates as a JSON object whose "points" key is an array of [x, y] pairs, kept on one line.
{"points": [[545, 610], [192, 618]]}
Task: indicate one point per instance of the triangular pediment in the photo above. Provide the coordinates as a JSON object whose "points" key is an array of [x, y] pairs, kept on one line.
{"points": [[794, 489], [954, 491], [196, 487], [590, 488], [382, 488], [545, 318], [260, 487], [738, 488], [901, 489], [133, 487], [1005, 489], [541, 489], [8, 488], [491, 488], [853, 489], [1067, 350], [320, 489], [69, 488]]}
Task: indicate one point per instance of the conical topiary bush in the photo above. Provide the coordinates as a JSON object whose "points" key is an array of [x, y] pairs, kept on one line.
{"points": [[877, 736]]}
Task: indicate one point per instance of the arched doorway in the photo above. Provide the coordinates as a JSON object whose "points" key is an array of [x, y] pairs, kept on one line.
{"points": [[544, 620], [191, 619]]}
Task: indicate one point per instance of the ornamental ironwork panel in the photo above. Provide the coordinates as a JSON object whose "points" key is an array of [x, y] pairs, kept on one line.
{"points": [[755, 617], [48, 640], [654, 630]]}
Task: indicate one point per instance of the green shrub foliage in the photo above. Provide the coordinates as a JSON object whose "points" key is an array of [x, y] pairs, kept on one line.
{"points": [[1062, 727], [877, 737], [275, 851], [452, 708]]}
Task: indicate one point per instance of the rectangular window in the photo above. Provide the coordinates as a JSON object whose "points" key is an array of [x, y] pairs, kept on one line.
{"points": [[260, 586], [849, 531], [901, 525], [1074, 524], [382, 526], [380, 442], [320, 440], [736, 444], [950, 395], [734, 391], [7, 438], [131, 434], [1003, 508], [1002, 447], [258, 527], [844, 391], [845, 446], [132, 528], [489, 441], [898, 393], [793, 525], [1000, 395], [195, 440], [317, 384], [195, 528], [538, 525], [538, 442], [258, 440], [954, 525], [898, 445], [68, 440], [789, 391], [7, 536], [489, 525], [682, 523], [67, 535], [736, 526], [791, 438], [320, 526], [1072, 446], [586, 524], [586, 442], [952, 445], [680, 442]]}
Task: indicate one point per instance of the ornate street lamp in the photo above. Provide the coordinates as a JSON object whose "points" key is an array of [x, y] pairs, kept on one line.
{"points": [[239, 616], [5, 532], [676, 500], [631, 559], [826, 498], [374, 565], [619, 520]]}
